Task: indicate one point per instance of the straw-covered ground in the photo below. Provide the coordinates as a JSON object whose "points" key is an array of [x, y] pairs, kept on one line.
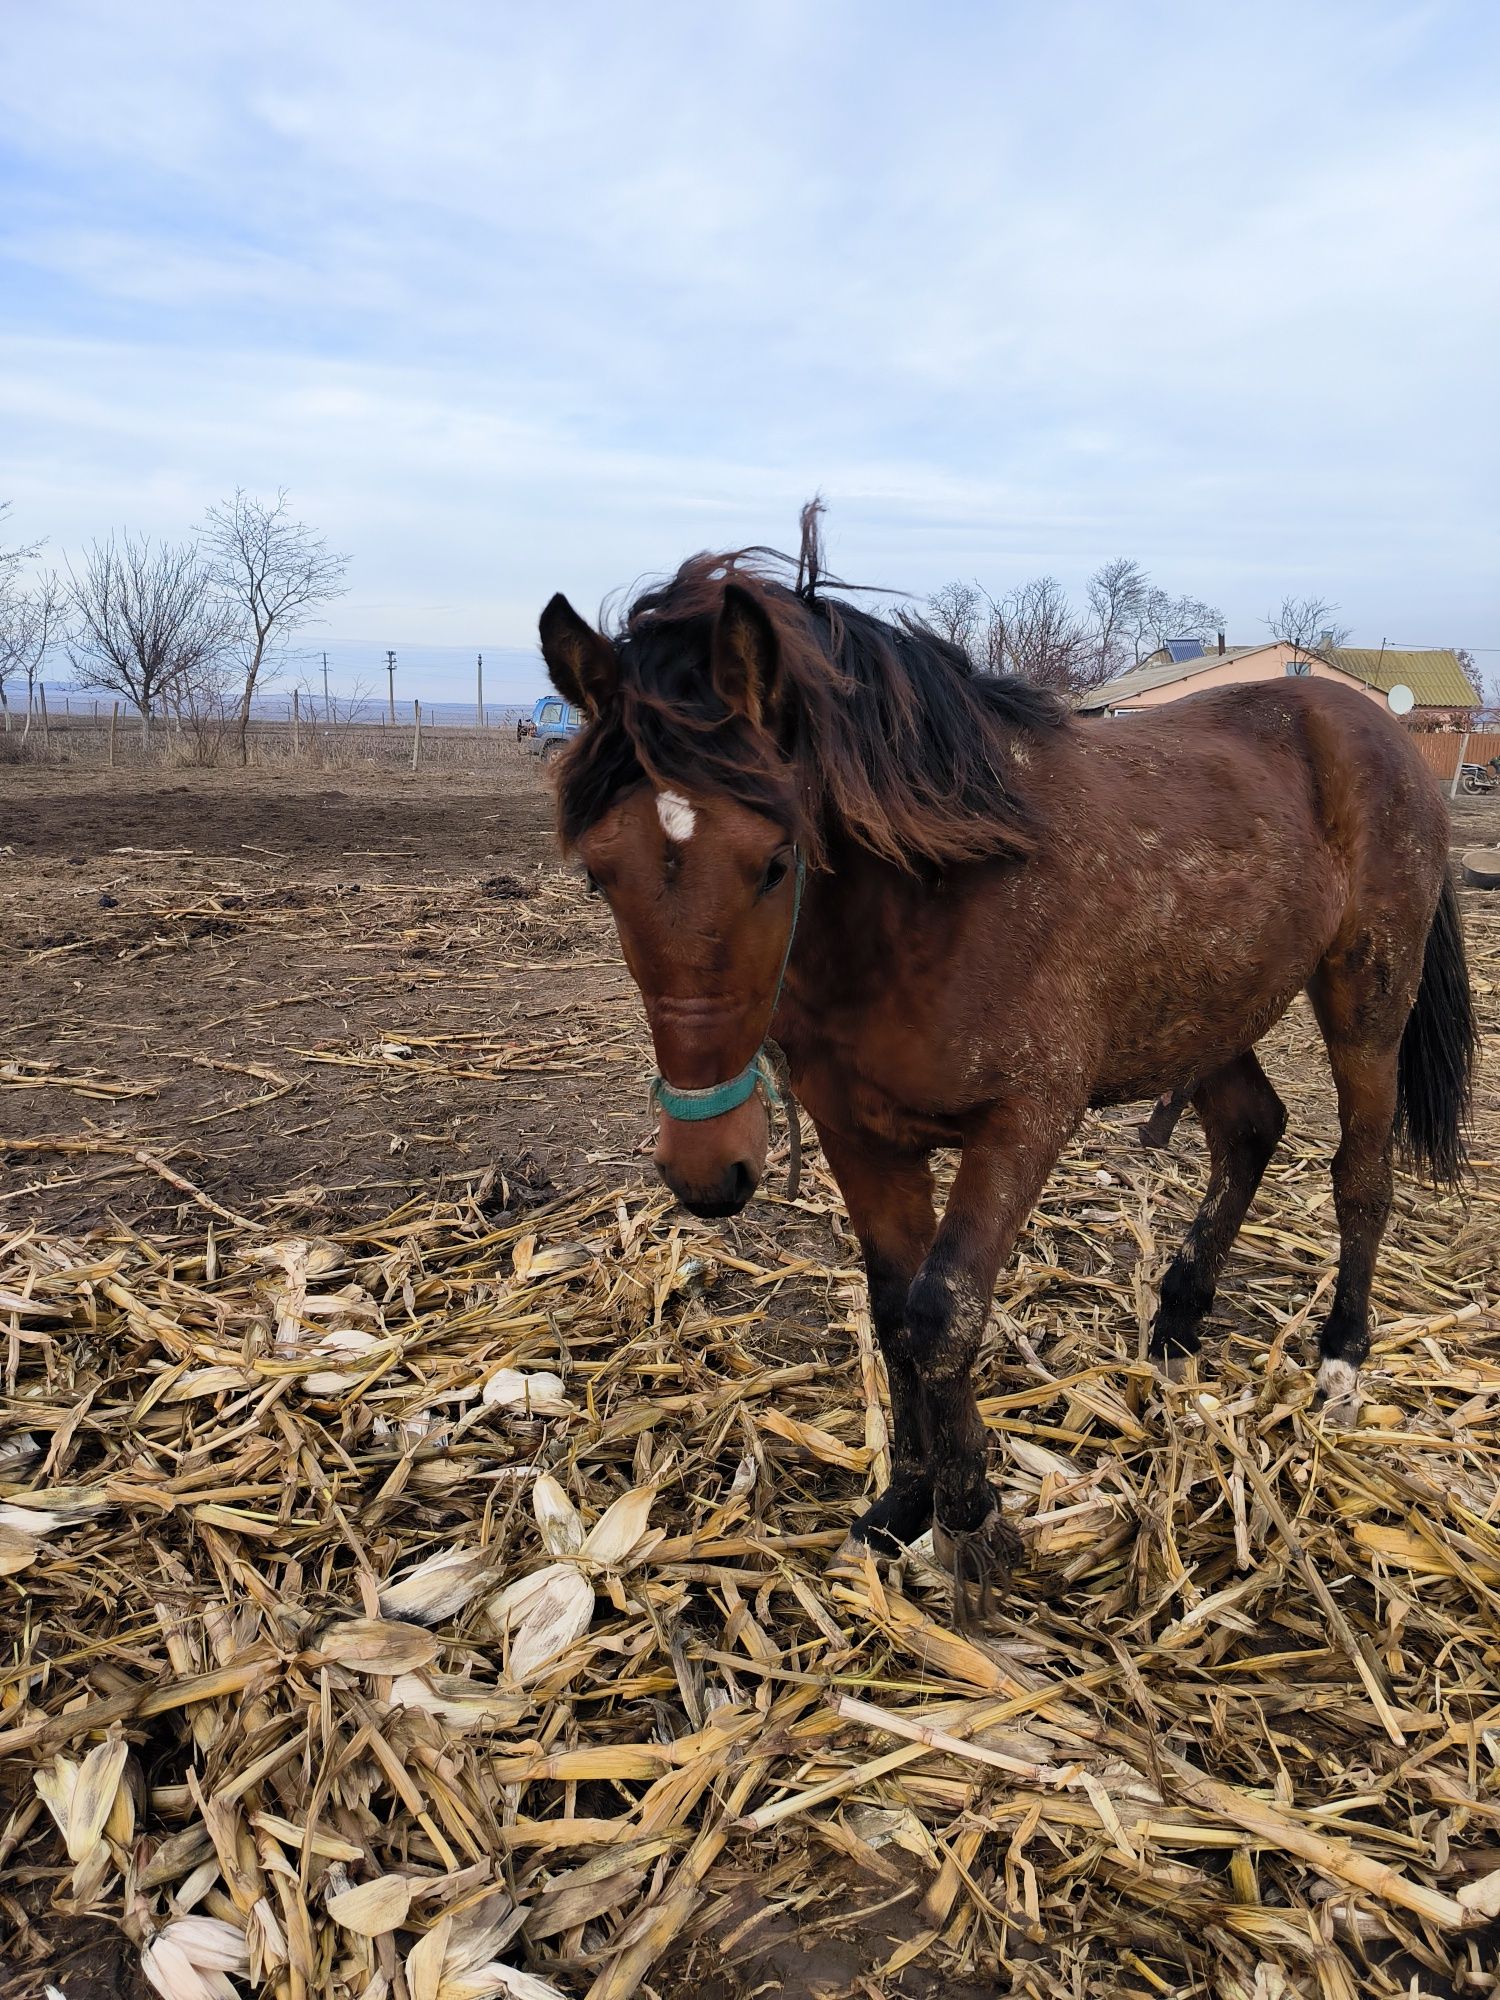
{"points": [[418, 1541]]}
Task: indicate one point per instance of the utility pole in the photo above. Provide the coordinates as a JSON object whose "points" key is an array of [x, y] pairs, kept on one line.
{"points": [[390, 667], [479, 702], [325, 687]]}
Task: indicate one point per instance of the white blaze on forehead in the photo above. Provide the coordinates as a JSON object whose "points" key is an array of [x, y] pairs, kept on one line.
{"points": [[677, 817]]}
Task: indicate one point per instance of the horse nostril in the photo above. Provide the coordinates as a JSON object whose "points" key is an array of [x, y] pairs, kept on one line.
{"points": [[727, 1196]]}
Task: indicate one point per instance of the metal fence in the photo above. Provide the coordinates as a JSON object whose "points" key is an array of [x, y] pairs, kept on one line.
{"points": [[84, 729]]}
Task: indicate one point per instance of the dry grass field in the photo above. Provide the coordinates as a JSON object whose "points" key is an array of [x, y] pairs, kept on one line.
{"points": [[418, 1540]]}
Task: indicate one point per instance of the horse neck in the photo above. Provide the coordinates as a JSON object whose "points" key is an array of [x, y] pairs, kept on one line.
{"points": [[857, 912]]}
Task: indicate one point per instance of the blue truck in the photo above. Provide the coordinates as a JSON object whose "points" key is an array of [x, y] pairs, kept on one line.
{"points": [[553, 723]]}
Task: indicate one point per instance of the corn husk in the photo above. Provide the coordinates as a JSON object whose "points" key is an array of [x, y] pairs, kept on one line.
{"points": [[540, 1616], [572, 1686], [81, 1796], [438, 1587], [371, 1909], [376, 1646], [535, 1392], [195, 1958]]}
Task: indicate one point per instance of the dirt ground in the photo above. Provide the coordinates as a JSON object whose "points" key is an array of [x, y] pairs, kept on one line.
{"points": [[262, 982], [307, 997], [252, 980]]}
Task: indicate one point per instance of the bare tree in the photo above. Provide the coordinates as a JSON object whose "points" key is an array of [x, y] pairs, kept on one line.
{"points": [[1034, 632], [144, 621], [275, 572], [1306, 623], [1161, 616], [12, 559], [17, 616], [956, 610], [1486, 693], [1117, 594], [31, 616], [1036, 635]]}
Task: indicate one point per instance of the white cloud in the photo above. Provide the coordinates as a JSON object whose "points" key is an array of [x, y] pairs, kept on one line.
{"points": [[514, 301]]}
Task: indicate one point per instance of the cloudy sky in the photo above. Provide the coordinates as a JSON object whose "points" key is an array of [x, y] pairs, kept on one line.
{"points": [[521, 298]]}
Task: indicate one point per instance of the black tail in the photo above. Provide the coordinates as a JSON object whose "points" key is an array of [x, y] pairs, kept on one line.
{"points": [[1435, 1070]]}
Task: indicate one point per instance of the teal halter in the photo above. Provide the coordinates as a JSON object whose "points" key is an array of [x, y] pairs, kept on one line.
{"points": [[694, 1107]]}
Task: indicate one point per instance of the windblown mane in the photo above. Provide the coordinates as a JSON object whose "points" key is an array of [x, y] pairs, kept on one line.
{"points": [[886, 733]]}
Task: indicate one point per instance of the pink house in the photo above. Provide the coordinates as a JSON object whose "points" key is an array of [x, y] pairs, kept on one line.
{"points": [[1161, 678], [1443, 695]]}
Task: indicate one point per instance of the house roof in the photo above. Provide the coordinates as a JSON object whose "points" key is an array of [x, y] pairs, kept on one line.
{"points": [[1434, 676], [1158, 671]]}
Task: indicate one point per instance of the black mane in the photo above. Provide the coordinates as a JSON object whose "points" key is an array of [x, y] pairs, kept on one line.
{"points": [[883, 731]]}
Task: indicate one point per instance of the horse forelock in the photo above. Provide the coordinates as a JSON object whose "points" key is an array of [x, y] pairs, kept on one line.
{"points": [[878, 729]]}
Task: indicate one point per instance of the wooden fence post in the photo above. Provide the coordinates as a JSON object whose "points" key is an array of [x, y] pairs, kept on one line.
{"points": [[296, 723], [1458, 768], [41, 689], [416, 734], [114, 716]]}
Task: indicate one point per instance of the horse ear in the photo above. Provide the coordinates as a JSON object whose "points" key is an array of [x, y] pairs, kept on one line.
{"points": [[744, 655], [580, 660]]}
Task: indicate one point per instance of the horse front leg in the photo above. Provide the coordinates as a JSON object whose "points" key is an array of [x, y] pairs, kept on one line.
{"points": [[947, 1309], [888, 1194]]}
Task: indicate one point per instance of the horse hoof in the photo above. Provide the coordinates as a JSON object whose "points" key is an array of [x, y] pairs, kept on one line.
{"points": [[1173, 1367], [1338, 1390], [979, 1562]]}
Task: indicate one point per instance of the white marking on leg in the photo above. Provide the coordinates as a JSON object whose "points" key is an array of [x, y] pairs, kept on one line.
{"points": [[677, 817], [1338, 1385]]}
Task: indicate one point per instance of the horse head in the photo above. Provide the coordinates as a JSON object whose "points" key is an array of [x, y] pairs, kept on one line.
{"points": [[704, 886]]}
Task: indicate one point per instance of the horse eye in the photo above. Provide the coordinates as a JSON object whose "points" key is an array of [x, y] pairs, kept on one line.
{"points": [[775, 875]]}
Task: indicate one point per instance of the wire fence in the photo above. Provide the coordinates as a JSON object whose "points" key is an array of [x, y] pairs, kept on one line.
{"points": [[71, 728], [68, 727]]}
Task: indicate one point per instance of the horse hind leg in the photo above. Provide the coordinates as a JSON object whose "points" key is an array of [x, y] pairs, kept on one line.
{"points": [[1361, 1011], [1243, 1120]]}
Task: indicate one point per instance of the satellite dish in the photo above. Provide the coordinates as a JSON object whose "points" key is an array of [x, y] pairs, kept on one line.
{"points": [[1401, 700]]}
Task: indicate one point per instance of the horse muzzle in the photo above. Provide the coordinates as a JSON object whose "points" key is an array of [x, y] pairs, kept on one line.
{"points": [[714, 1165]]}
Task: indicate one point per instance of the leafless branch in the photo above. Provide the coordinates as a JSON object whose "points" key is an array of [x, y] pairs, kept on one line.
{"points": [[28, 617], [1307, 624], [31, 617], [956, 611], [1035, 634], [1117, 595], [144, 622], [275, 572]]}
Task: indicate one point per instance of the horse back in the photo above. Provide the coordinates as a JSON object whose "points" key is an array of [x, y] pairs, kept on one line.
{"points": [[1206, 857], [1299, 751]]}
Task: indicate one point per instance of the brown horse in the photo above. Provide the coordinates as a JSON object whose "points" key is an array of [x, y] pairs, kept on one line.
{"points": [[1009, 915]]}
